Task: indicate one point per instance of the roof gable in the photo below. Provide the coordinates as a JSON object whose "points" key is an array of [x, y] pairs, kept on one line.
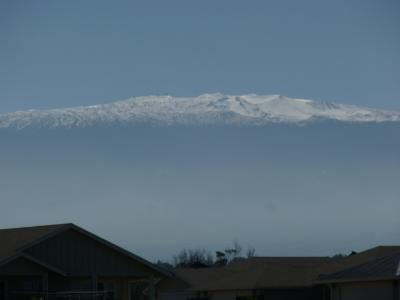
{"points": [[23, 263], [13, 240], [20, 241]]}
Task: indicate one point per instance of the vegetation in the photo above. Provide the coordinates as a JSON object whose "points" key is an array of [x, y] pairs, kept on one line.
{"points": [[202, 258]]}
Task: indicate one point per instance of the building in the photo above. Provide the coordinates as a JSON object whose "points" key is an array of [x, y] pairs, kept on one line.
{"points": [[67, 262], [376, 279], [371, 274], [254, 278]]}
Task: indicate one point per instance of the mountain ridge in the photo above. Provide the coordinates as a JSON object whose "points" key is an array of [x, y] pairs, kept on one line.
{"points": [[206, 109]]}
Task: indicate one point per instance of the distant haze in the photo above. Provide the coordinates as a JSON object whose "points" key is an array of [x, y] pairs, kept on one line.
{"points": [[317, 189]]}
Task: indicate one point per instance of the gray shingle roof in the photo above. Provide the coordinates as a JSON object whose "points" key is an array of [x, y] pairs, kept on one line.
{"points": [[380, 268], [255, 273], [367, 256], [290, 272]]}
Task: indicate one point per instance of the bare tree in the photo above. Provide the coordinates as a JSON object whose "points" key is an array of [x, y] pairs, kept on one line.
{"points": [[201, 258], [251, 252], [221, 259], [193, 258], [234, 252]]}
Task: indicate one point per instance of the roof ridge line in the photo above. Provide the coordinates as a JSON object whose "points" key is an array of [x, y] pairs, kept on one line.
{"points": [[36, 226]]}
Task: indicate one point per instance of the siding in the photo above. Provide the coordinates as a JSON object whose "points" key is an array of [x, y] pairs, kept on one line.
{"points": [[22, 266], [366, 291], [229, 295], [175, 296]]}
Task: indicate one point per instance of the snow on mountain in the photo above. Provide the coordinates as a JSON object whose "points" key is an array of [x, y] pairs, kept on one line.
{"points": [[204, 109]]}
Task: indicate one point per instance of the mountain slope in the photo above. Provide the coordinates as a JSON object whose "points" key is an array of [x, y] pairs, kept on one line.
{"points": [[204, 109]]}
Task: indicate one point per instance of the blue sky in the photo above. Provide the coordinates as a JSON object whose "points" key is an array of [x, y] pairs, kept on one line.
{"points": [[67, 53], [286, 190]]}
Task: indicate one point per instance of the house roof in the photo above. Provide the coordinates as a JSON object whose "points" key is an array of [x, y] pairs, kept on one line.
{"points": [[291, 272], [367, 256], [386, 267], [14, 241], [255, 273], [197, 277]]}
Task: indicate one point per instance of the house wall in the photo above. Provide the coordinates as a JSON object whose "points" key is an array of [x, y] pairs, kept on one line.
{"points": [[382, 290], [229, 295], [22, 266], [23, 269], [119, 286], [273, 294], [175, 296], [173, 288], [219, 295], [316, 293], [64, 284]]}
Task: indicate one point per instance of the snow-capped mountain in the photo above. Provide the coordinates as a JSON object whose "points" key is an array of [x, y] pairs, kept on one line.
{"points": [[204, 109]]}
